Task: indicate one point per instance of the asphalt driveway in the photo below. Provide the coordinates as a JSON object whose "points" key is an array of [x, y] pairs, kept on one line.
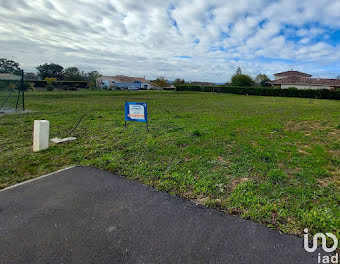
{"points": [[86, 215]]}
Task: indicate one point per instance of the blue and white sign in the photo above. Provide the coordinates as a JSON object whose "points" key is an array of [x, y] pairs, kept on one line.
{"points": [[136, 112]]}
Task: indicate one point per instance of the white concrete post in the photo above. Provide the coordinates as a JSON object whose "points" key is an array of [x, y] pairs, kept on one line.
{"points": [[41, 134]]}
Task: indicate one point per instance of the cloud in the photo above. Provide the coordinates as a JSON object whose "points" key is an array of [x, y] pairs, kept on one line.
{"points": [[193, 39]]}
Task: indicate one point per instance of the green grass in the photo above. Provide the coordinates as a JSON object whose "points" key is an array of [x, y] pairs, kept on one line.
{"points": [[272, 160]]}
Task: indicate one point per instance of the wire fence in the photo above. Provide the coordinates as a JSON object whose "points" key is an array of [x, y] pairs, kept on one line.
{"points": [[12, 94]]}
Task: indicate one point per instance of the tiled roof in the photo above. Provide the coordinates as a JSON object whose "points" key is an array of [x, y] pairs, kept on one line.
{"points": [[307, 81], [128, 79], [293, 73], [9, 76]]}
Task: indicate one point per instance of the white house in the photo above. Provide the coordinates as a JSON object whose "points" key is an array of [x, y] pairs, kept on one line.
{"points": [[122, 82], [302, 80], [9, 76]]}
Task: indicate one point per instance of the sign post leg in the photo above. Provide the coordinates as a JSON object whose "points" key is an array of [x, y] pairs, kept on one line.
{"points": [[147, 126], [23, 90], [19, 91]]}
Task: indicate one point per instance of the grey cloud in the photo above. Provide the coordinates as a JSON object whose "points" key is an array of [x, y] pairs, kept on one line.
{"points": [[49, 5], [138, 37]]}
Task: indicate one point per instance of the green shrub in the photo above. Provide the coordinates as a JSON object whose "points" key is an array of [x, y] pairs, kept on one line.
{"points": [[196, 133], [3, 85], [50, 87]]}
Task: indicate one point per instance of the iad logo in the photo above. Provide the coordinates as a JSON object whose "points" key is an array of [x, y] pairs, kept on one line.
{"points": [[326, 258]]}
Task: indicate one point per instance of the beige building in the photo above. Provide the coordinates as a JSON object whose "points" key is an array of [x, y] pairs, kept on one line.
{"points": [[9, 76], [122, 82], [302, 80]]}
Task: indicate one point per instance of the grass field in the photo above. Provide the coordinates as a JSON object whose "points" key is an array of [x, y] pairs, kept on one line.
{"points": [[273, 160]]}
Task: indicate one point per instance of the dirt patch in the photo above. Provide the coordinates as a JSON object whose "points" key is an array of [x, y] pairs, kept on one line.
{"points": [[238, 181], [221, 160], [323, 182], [303, 151], [304, 125]]}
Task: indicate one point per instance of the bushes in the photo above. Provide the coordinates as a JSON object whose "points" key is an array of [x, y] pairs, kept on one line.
{"points": [[76, 84], [50, 87], [68, 88], [265, 91]]}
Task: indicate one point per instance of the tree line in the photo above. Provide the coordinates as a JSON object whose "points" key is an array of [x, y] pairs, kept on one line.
{"points": [[238, 79], [57, 72], [49, 70]]}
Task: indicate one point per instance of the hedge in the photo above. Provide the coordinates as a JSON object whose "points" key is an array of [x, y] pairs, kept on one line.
{"points": [[43, 83], [265, 91], [76, 84]]}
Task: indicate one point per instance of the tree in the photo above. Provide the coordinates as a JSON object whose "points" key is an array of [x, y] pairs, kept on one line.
{"points": [[179, 81], [242, 80], [92, 76], [238, 71], [261, 80], [73, 74], [160, 82], [30, 76], [9, 66], [51, 70]]}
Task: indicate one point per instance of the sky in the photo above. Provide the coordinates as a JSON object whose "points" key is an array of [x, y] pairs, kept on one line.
{"points": [[197, 40]]}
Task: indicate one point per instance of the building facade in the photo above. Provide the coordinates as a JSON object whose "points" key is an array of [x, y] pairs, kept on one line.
{"points": [[302, 80], [9, 76], [122, 82]]}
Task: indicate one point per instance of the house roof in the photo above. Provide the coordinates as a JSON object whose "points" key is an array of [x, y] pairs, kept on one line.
{"points": [[9, 76], [307, 81], [293, 73], [125, 79]]}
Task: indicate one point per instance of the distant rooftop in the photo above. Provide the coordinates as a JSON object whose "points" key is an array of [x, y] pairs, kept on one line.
{"points": [[293, 73], [125, 79], [307, 81], [9, 76]]}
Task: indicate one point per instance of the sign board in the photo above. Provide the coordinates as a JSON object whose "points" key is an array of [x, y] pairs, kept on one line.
{"points": [[136, 112]]}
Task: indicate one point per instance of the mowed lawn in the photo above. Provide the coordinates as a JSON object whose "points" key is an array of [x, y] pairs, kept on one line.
{"points": [[273, 160]]}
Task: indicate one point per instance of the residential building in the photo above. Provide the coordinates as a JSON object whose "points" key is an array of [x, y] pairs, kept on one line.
{"points": [[122, 82], [302, 80], [9, 76], [282, 75]]}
